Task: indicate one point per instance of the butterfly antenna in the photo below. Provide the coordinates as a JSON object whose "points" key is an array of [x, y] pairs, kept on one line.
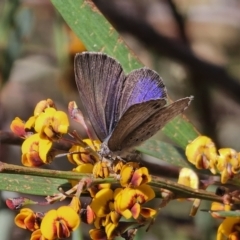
{"points": [[77, 115]]}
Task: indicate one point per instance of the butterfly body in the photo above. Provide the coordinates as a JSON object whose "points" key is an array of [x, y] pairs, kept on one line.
{"points": [[124, 110]]}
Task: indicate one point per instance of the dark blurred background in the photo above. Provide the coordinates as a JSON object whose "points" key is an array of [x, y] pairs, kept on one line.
{"points": [[194, 45]]}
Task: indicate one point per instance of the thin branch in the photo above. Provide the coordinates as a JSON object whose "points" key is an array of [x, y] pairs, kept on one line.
{"points": [[157, 182], [10, 138], [179, 21]]}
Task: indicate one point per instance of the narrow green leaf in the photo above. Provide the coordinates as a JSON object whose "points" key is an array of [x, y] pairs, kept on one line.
{"points": [[181, 131], [42, 186], [98, 35], [165, 152], [224, 214], [95, 31]]}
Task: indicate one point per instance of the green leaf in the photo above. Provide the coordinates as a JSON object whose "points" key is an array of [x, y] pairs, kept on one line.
{"points": [[95, 31], [181, 131], [98, 35], [165, 152], [224, 214], [43, 186]]}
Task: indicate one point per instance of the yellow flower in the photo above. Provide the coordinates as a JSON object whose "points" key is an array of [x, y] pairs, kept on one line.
{"points": [[106, 216], [128, 201], [100, 170], [98, 234], [30, 123], [27, 219], [189, 178], [96, 188], [84, 168], [148, 212], [42, 105], [227, 155], [215, 207], [75, 204], [59, 223], [234, 235], [132, 176], [17, 127], [94, 144], [117, 166], [102, 202], [226, 174], [236, 164], [228, 163], [111, 231], [81, 155], [35, 151], [229, 229], [105, 229], [202, 153], [111, 218], [52, 123], [37, 235]]}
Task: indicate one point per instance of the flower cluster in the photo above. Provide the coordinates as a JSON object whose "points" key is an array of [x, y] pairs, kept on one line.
{"points": [[114, 208], [55, 224], [40, 131], [110, 205], [203, 153], [118, 189]]}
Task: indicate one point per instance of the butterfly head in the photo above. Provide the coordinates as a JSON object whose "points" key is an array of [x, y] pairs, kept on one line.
{"points": [[104, 150]]}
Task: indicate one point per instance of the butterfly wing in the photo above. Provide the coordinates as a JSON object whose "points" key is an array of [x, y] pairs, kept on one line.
{"points": [[99, 80], [134, 128], [143, 93], [141, 85]]}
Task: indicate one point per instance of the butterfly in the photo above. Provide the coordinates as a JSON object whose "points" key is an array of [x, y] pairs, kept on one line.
{"points": [[124, 110]]}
